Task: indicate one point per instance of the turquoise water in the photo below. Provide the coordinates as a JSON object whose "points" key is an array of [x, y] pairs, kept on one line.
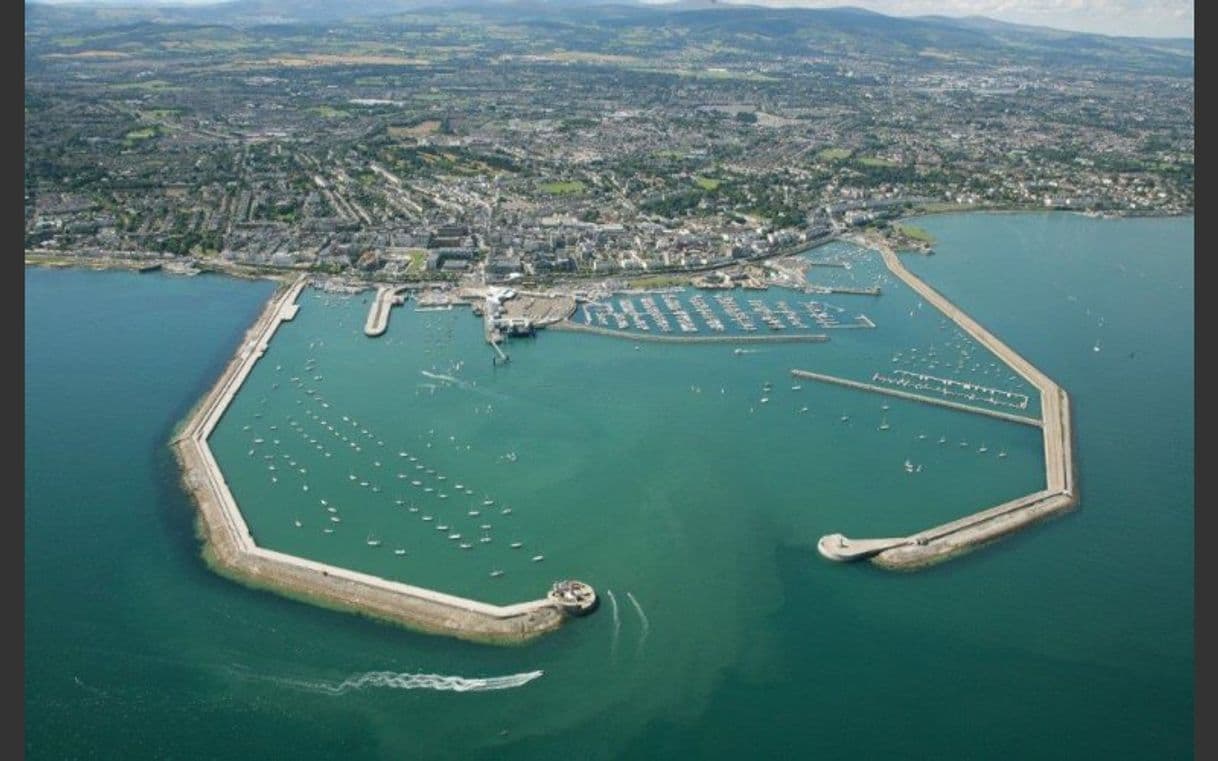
{"points": [[635, 472]]}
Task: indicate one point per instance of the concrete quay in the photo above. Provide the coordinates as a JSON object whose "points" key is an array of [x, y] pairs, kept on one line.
{"points": [[229, 548], [1022, 419], [387, 297], [948, 540]]}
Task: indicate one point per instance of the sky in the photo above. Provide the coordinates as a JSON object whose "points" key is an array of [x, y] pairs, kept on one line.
{"points": [[1129, 18]]}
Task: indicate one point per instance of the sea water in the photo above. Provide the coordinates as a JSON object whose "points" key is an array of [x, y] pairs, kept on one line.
{"points": [[657, 475]]}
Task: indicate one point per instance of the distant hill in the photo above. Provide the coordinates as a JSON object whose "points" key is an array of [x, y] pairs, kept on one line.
{"points": [[594, 25]]}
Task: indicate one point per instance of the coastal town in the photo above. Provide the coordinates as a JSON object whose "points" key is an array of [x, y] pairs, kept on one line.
{"points": [[481, 148]]}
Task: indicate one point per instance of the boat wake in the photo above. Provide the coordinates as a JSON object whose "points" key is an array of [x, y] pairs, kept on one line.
{"points": [[395, 681], [643, 616], [617, 623], [442, 377]]}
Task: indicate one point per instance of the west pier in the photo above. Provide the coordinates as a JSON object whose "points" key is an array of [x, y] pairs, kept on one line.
{"points": [[230, 549]]}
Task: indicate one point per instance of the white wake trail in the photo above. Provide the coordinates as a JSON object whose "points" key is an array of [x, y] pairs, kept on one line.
{"points": [[642, 615], [395, 681], [617, 623]]}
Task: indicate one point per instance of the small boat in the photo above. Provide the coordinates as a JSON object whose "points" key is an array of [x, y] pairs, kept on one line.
{"points": [[332, 509], [416, 483], [485, 527], [764, 399], [372, 541], [454, 535], [484, 539], [428, 489], [327, 531], [506, 511], [803, 409], [538, 558], [441, 527], [909, 468], [335, 519], [496, 574], [983, 449], [1002, 453], [488, 502], [465, 546], [298, 524], [845, 418], [942, 439], [399, 551], [796, 387], [474, 513], [921, 436], [413, 509], [427, 518], [884, 407], [884, 424]]}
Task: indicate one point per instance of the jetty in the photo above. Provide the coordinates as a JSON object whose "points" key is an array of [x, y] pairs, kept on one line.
{"points": [[230, 549], [1022, 419], [954, 538], [387, 297]]}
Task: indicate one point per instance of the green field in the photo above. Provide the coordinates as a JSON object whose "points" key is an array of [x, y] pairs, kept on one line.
{"points": [[328, 112], [917, 233], [143, 133], [706, 183], [565, 187], [876, 161], [834, 154]]}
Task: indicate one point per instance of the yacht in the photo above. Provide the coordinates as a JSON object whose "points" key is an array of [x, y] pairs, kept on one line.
{"points": [[372, 541]]}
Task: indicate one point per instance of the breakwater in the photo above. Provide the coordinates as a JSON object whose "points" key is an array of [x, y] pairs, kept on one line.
{"points": [[956, 537], [230, 548]]}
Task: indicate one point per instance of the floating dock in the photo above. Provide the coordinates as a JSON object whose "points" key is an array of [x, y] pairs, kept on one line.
{"points": [[948, 540], [231, 550], [719, 339]]}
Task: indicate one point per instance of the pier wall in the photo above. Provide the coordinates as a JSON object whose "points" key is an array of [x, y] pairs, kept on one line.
{"points": [[387, 297], [230, 549], [948, 540]]}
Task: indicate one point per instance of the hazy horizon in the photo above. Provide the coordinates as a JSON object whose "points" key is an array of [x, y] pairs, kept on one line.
{"points": [[1168, 19]]}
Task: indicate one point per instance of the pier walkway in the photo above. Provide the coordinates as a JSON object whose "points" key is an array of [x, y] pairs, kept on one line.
{"points": [[387, 297], [917, 397], [231, 550], [945, 541]]}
